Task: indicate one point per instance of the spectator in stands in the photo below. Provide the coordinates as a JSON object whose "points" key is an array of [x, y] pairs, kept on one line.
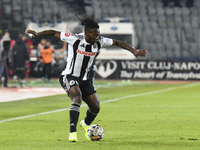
{"points": [[20, 56], [47, 54], [5, 58]]}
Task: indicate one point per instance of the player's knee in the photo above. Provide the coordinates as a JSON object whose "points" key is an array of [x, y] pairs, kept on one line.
{"points": [[77, 99], [75, 95], [96, 109]]}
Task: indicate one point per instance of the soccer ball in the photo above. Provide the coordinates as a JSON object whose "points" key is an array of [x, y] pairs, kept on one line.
{"points": [[95, 132]]}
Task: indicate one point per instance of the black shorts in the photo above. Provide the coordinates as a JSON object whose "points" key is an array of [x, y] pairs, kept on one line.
{"points": [[86, 87]]}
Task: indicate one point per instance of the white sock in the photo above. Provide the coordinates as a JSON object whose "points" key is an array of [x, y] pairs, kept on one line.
{"points": [[84, 123]]}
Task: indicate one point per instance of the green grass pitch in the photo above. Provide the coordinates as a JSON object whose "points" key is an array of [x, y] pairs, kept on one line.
{"points": [[134, 115]]}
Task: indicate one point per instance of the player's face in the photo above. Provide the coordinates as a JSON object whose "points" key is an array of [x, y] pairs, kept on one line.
{"points": [[92, 35], [48, 44], [43, 41]]}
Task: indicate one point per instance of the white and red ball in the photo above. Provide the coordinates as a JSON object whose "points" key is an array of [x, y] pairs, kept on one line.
{"points": [[95, 132]]}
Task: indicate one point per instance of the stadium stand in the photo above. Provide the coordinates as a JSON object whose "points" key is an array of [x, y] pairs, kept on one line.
{"points": [[165, 30]]}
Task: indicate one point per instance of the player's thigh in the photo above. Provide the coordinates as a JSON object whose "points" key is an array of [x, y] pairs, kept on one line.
{"points": [[70, 85], [93, 102], [75, 93]]}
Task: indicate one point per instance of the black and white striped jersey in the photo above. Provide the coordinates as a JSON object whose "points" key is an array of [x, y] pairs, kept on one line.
{"points": [[81, 54]]}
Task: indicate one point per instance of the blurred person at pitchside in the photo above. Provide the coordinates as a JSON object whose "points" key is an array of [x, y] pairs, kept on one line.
{"points": [[39, 67], [5, 58], [20, 57], [46, 57]]}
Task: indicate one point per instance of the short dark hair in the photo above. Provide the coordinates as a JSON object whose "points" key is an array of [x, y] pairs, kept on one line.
{"points": [[88, 22], [48, 40]]}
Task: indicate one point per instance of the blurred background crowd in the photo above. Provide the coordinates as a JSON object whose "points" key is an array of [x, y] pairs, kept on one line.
{"points": [[168, 29]]}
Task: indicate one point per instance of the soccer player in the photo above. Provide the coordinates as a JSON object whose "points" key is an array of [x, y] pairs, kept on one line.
{"points": [[74, 78]]}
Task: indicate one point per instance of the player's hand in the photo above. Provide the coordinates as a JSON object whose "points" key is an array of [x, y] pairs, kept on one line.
{"points": [[140, 52], [31, 33]]}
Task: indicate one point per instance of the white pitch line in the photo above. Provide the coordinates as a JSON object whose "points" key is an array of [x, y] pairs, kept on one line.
{"points": [[154, 106], [108, 101]]}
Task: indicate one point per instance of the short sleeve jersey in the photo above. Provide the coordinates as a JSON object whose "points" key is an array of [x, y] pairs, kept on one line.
{"points": [[81, 54]]}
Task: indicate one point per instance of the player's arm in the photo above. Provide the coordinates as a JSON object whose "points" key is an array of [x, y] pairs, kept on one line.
{"points": [[43, 33], [136, 52]]}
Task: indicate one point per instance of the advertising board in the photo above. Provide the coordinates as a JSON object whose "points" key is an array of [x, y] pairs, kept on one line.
{"points": [[147, 70]]}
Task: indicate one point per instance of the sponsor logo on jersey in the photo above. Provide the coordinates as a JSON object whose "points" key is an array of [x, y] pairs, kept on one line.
{"points": [[85, 53], [67, 34]]}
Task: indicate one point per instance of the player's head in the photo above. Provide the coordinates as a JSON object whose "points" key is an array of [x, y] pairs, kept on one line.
{"points": [[48, 43], [43, 41], [7, 33], [91, 29], [24, 37]]}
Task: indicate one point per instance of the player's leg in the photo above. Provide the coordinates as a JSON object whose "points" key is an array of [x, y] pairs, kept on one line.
{"points": [[76, 97], [70, 85], [94, 107], [93, 103], [44, 74], [49, 67], [91, 99]]}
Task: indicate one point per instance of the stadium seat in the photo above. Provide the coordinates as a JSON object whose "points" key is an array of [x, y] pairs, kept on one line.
{"points": [[169, 11], [7, 9], [37, 13], [177, 50], [143, 12], [154, 25], [193, 49], [142, 4], [88, 10], [194, 21], [150, 3], [190, 35], [134, 3], [162, 22], [178, 21], [27, 11], [185, 53], [17, 17], [17, 5], [63, 13], [160, 46], [172, 34], [185, 11], [135, 13], [160, 11], [178, 33], [177, 11], [194, 11]]}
